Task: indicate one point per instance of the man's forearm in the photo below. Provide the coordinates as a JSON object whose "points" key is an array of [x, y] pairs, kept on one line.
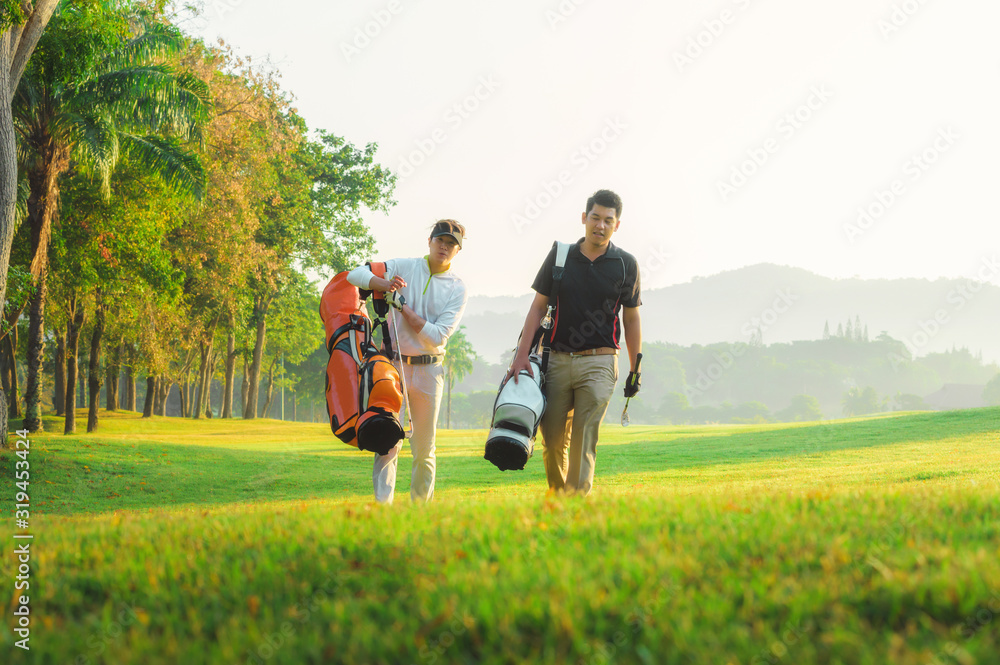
{"points": [[531, 323], [413, 319], [633, 335]]}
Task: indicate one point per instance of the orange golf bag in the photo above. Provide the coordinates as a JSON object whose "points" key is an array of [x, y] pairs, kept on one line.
{"points": [[363, 396]]}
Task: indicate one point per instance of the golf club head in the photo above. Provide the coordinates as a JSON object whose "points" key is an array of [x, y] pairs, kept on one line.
{"points": [[625, 418]]}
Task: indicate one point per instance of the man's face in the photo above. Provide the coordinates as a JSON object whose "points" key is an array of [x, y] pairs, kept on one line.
{"points": [[443, 249], [601, 223]]}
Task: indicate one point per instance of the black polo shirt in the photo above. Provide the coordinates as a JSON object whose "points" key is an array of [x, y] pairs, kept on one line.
{"points": [[590, 296]]}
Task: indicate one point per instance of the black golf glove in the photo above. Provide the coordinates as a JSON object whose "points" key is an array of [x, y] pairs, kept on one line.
{"points": [[632, 384], [395, 299]]}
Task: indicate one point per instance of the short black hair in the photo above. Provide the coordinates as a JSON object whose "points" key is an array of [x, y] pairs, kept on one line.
{"points": [[606, 198]]}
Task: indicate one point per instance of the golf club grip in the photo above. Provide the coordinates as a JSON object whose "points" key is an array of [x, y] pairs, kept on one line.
{"points": [[638, 361]]}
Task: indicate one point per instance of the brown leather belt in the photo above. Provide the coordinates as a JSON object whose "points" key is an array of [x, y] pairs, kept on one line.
{"points": [[422, 360], [600, 351]]}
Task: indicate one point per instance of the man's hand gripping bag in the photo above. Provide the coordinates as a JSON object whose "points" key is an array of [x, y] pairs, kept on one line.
{"points": [[516, 413]]}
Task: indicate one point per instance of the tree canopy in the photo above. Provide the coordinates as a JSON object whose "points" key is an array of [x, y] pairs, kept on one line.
{"points": [[174, 211]]}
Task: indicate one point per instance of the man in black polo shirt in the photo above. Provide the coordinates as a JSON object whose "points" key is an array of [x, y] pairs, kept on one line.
{"points": [[599, 279]]}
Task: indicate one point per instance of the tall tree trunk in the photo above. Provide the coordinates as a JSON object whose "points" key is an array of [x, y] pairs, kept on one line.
{"points": [[227, 390], [43, 205], [130, 391], [165, 385], [212, 362], [245, 385], [36, 346], [204, 350], [260, 307], [11, 380], [114, 376], [5, 364], [82, 384], [17, 43], [15, 399], [59, 395], [76, 317], [157, 390], [8, 182], [158, 398], [94, 372], [185, 390], [147, 407], [270, 390]]}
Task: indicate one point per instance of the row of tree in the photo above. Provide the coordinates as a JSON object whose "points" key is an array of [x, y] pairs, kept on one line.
{"points": [[170, 208], [474, 410], [794, 381]]}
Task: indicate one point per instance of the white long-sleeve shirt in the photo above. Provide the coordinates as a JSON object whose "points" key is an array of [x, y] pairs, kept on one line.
{"points": [[439, 299]]}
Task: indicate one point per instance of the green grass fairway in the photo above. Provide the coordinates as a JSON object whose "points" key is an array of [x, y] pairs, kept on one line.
{"points": [[176, 541]]}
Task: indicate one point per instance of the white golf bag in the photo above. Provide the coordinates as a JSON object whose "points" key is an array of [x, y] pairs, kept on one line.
{"points": [[516, 414], [519, 406]]}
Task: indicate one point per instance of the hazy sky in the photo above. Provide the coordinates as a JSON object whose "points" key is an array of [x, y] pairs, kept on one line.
{"points": [[736, 131]]}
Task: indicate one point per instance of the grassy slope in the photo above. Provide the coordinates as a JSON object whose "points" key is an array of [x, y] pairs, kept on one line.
{"points": [[178, 541]]}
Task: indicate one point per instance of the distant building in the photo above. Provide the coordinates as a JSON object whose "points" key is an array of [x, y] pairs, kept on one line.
{"points": [[957, 396]]}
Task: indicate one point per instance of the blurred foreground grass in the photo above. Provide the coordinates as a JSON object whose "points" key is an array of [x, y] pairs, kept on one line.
{"points": [[178, 541]]}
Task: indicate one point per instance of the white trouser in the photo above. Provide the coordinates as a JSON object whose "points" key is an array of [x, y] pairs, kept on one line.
{"points": [[424, 384]]}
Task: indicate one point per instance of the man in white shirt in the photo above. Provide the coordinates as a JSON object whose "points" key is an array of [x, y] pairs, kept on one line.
{"points": [[435, 300]]}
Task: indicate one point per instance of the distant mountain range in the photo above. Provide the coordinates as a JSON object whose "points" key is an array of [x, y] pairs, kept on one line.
{"points": [[784, 304]]}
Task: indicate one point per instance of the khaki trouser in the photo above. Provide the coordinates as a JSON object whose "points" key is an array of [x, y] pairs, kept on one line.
{"points": [[425, 385], [577, 391]]}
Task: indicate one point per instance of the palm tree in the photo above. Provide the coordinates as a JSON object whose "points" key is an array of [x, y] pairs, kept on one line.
{"points": [[97, 90], [458, 358]]}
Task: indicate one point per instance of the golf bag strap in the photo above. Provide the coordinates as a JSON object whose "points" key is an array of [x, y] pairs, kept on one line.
{"points": [[353, 323], [558, 268], [378, 269], [383, 323], [380, 307]]}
